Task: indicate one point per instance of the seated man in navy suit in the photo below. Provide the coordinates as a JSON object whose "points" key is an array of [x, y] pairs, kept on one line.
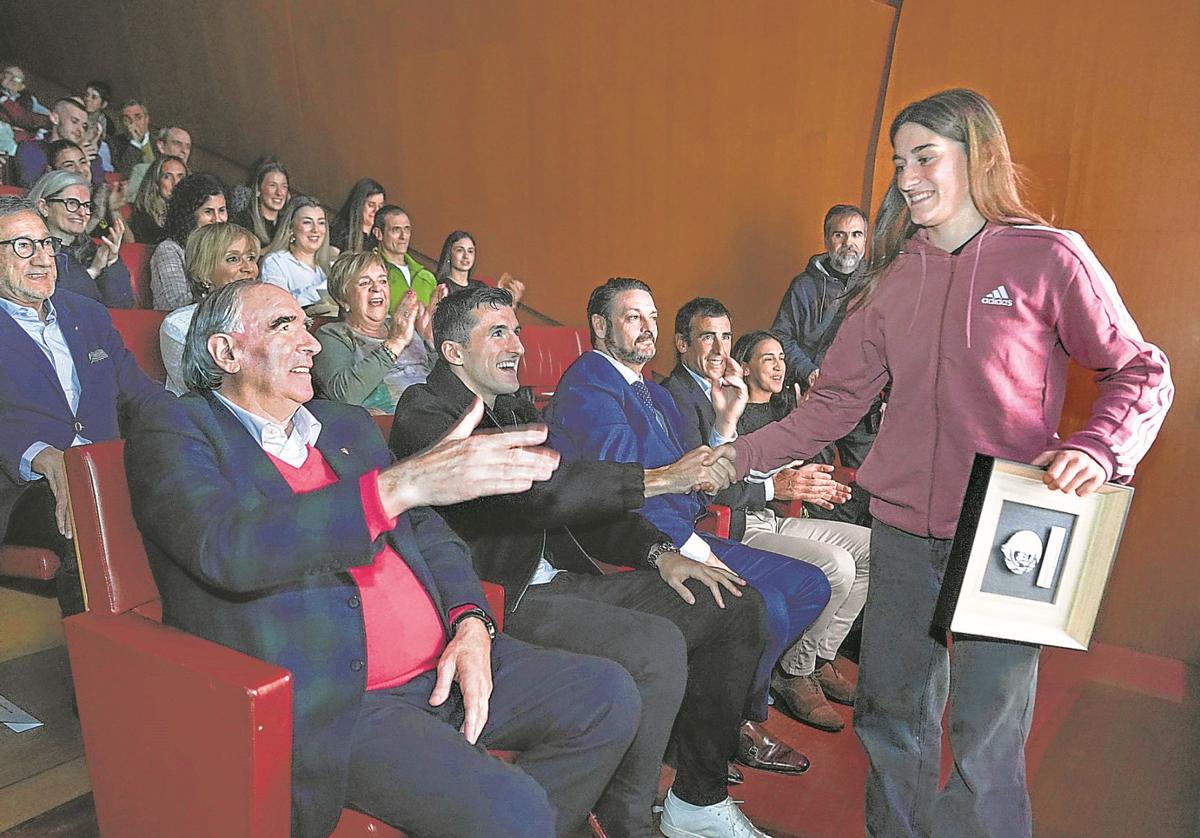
{"points": [[277, 524], [807, 674], [66, 376], [604, 409]]}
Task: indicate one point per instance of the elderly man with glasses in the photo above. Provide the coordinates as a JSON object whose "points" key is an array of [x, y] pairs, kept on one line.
{"points": [[65, 379]]}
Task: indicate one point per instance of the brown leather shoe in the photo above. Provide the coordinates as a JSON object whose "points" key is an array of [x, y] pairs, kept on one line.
{"points": [[836, 686], [757, 748], [805, 702]]}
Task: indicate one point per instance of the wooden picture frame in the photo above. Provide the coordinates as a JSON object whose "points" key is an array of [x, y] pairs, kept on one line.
{"points": [[1029, 563]]}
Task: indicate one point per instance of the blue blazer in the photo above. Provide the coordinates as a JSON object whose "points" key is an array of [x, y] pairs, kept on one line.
{"points": [[33, 406], [596, 415], [242, 560]]}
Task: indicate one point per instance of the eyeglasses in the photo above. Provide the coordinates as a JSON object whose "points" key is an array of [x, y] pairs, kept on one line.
{"points": [[26, 247], [73, 204]]}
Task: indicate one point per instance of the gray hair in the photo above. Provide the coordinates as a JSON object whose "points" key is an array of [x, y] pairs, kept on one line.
{"points": [[13, 205], [52, 183], [219, 312]]}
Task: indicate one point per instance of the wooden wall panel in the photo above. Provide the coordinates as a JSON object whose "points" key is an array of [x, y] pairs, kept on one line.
{"points": [[1100, 103]]}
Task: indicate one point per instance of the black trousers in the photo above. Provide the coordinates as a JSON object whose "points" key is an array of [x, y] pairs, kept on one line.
{"points": [[695, 661], [32, 524]]}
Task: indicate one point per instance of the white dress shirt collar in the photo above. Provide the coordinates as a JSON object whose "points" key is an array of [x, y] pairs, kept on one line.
{"points": [[629, 375], [273, 437]]}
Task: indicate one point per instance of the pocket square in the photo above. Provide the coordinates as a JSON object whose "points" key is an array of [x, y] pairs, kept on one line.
{"points": [[97, 355]]}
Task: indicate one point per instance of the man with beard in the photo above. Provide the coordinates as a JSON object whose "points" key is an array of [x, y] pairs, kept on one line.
{"points": [[809, 317]]}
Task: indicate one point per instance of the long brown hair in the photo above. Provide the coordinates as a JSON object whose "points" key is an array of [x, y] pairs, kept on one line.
{"points": [[996, 183]]}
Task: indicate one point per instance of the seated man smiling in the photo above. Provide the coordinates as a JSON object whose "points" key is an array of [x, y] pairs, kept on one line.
{"points": [[278, 525]]}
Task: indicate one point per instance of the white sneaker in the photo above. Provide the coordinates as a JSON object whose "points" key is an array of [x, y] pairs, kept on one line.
{"points": [[721, 820]]}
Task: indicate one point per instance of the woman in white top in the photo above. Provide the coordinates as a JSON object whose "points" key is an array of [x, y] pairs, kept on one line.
{"points": [[216, 255], [299, 255]]}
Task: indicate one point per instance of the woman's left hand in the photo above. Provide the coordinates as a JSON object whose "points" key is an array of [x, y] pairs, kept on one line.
{"points": [[1071, 470], [513, 286]]}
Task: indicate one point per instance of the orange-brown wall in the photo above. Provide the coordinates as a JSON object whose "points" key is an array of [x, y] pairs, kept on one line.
{"points": [[697, 144]]}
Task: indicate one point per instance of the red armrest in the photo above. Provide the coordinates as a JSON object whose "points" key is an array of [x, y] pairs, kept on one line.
{"points": [[715, 521], [182, 735], [28, 562]]}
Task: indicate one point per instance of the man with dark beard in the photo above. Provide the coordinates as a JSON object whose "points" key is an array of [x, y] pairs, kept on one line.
{"points": [[809, 316]]}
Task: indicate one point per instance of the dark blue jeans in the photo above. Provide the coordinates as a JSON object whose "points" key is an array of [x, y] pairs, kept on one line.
{"points": [[906, 673], [794, 594]]}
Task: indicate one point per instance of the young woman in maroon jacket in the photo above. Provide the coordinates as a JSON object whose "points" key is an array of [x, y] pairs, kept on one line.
{"points": [[973, 307]]}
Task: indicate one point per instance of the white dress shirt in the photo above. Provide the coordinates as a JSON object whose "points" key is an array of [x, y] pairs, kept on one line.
{"points": [[273, 437]]}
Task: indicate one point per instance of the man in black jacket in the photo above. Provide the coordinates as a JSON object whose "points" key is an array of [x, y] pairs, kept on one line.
{"points": [[687, 649], [810, 314]]}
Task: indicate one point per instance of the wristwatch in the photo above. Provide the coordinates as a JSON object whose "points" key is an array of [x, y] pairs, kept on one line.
{"points": [[656, 552], [479, 613]]}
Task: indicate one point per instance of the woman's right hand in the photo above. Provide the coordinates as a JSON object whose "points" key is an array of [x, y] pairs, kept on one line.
{"points": [[404, 318]]}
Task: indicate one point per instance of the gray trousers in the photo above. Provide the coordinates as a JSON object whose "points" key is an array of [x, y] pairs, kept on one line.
{"points": [[906, 673], [842, 551]]}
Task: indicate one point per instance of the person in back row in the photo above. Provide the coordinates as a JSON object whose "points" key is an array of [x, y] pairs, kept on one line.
{"points": [[669, 621], [393, 231], [456, 267], [807, 673], [352, 227], [812, 310], [196, 201], [278, 525]]}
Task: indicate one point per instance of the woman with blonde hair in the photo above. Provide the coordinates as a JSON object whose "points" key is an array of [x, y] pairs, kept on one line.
{"points": [[148, 221], [370, 357], [972, 308], [298, 257], [270, 189], [216, 255]]}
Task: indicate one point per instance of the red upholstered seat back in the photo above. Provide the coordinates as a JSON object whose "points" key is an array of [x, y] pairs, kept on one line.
{"points": [[112, 558], [137, 258], [139, 329], [12, 191], [549, 350]]}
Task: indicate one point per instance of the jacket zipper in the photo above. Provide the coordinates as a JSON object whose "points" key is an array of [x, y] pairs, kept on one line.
{"points": [[937, 376]]}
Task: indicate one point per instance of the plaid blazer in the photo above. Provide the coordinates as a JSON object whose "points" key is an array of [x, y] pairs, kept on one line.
{"points": [[243, 561]]}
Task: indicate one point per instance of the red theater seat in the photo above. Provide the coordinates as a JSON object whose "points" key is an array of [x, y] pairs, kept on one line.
{"points": [[27, 562], [183, 737], [137, 258], [549, 350], [139, 329], [12, 191]]}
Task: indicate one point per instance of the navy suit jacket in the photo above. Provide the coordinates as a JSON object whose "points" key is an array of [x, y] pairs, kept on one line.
{"points": [[596, 414], [243, 561], [698, 419], [33, 406]]}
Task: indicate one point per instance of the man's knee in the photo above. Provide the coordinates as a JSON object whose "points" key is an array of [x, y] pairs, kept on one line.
{"points": [[609, 706], [655, 654], [515, 804]]}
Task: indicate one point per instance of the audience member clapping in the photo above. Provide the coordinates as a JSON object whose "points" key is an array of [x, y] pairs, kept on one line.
{"points": [[298, 257], [456, 267], [68, 121], [216, 255], [370, 358], [393, 229], [270, 190], [63, 200], [196, 201], [148, 220], [352, 226]]}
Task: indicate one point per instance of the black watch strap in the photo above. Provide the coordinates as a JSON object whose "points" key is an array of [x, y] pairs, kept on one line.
{"points": [[475, 612]]}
